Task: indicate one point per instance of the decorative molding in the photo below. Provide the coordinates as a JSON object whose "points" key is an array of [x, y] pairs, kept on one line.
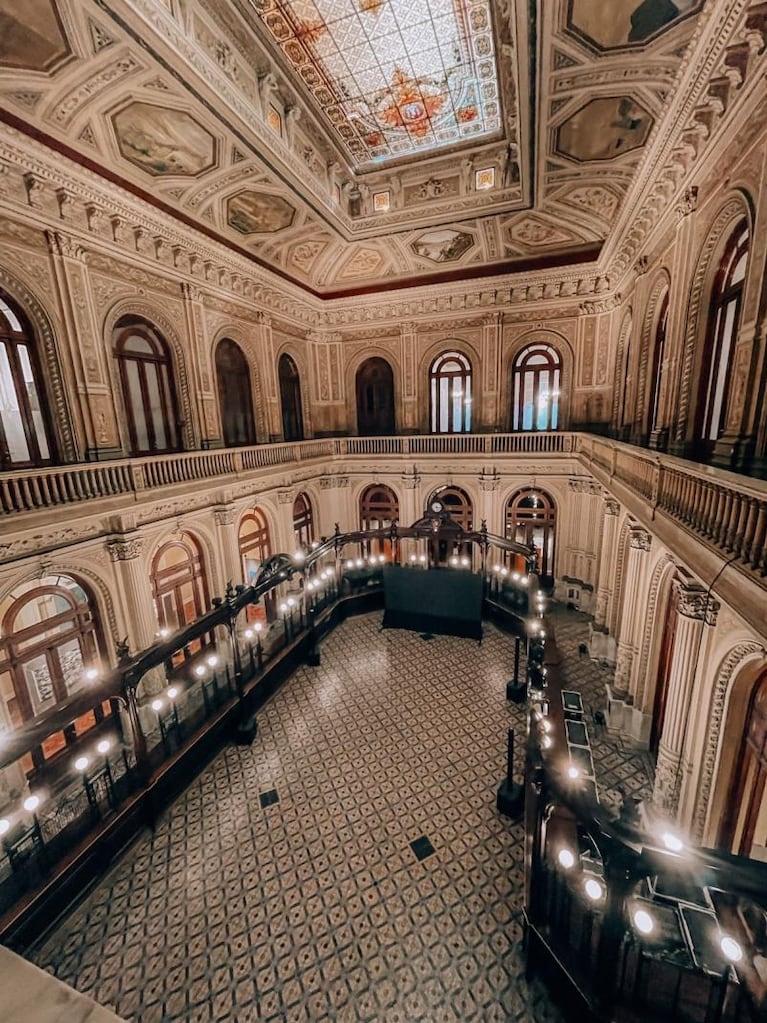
{"points": [[125, 548], [639, 539]]}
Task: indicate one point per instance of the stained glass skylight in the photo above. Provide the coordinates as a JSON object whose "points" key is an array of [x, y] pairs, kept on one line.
{"points": [[394, 77]]}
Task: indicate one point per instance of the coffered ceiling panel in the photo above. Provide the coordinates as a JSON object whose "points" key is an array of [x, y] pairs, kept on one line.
{"points": [[354, 143]]}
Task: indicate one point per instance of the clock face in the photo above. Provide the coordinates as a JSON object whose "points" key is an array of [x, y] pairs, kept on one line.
{"points": [[436, 506]]}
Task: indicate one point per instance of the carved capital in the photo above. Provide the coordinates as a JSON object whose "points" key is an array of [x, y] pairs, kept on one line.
{"points": [[285, 496], [191, 291], [63, 245], [489, 481], [224, 515], [642, 265], [125, 548], [688, 202], [696, 603], [640, 539], [611, 506]]}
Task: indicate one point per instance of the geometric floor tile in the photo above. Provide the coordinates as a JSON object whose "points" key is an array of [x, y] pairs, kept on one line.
{"points": [[316, 909]]}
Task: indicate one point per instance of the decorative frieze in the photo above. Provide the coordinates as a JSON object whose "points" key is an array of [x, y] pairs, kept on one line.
{"points": [[125, 548]]}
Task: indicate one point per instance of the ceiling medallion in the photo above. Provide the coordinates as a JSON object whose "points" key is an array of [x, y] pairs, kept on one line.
{"points": [[412, 103]]}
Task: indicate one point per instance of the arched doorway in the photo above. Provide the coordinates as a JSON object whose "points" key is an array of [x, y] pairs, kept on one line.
{"points": [[290, 398], [149, 395], [379, 508], [535, 384], [450, 393], [375, 398], [459, 506], [531, 519], [303, 521], [744, 827], [51, 649], [180, 588], [235, 400], [255, 548], [26, 437]]}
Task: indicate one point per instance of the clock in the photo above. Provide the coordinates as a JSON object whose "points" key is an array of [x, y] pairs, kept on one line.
{"points": [[436, 506]]}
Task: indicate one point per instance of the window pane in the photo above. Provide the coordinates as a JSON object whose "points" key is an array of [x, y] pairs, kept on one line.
{"points": [[136, 405], [13, 424], [527, 401], [555, 401], [71, 661], [444, 405], [10, 316], [720, 370], [155, 406], [138, 344], [434, 411], [34, 402], [467, 405], [39, 684]]}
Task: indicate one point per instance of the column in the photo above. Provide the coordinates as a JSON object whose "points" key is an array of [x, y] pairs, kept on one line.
{"points": [[491, 413], [83, 351], [408, 342], [620, 693], [268, 371], [695, 610], [224, 517], [601, 644], [133, 590], [489, 510]]}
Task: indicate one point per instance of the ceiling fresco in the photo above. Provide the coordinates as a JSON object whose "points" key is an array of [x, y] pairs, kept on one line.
{"points": [[393, 77], [348, 144]]}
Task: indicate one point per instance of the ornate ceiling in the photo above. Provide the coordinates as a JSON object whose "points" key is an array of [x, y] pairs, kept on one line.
{"points": [[352, 145]]}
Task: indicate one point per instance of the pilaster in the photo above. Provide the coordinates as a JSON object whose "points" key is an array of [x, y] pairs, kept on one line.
{"points": [[408, 341], [268, 368], [601, 644], [621, 693], [492, 333], [95, 412], [208, 427], [225, 519], [133, 589]]}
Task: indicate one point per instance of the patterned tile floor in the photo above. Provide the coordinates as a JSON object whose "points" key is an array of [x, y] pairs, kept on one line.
{"points": [[311, 904]]}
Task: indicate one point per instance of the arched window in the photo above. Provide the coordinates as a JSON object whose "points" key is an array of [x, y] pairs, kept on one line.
{"points": [[50, 641], [531, 519], [375, 398], [724, 319], [744, 828], [535, 388], [458, 505], [290, 397], [234, 395], [450, 383], [25, 432], [379, 508], [303, 521], [656, 374], [146, 376], [180, 587], [255, 548]]}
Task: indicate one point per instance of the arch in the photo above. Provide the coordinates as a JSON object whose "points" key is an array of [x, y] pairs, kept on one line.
{"points": [[622, 367], [157, 318], [180, 587], [543, 336], [647, 352], [235, 333], [450, 393], [458, 503], [733, 210], [147, 386], [375, 401], [378, 509], [530, 518], [27, 438], [303, 520], [52, 647], [365, 351], [254, 541], [535, 388], [738, 670], [721, 336], [235, 396], [52, 379], [290, 398]]}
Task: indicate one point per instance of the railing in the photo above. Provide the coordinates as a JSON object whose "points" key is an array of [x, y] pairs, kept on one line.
{"points": [[725, 511], [37, 489]]}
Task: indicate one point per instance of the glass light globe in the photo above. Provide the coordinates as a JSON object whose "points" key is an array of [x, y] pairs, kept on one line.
{"points": [[5, 826], [31, 803], [104, 746], [566, 858], [81, 763], [643, 922], [594, 889], [172, 693], [672, 842], [731, 948], [157, 705]]}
